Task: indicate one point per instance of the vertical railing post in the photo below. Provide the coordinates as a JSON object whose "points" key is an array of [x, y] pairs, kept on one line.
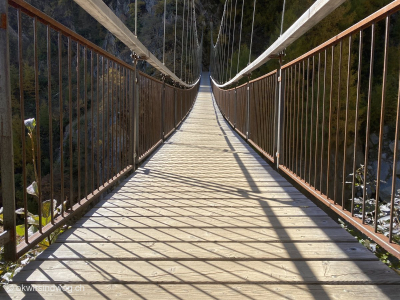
{"points": [[131, 118], [235, 107], [279, 111], [248, 109], [6, 143], [175, 107], [182, 99], [163, 108], [275, 121], [135, 117]]}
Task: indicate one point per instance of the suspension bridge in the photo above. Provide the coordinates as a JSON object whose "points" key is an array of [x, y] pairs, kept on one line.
{"points": [[194, 186]]}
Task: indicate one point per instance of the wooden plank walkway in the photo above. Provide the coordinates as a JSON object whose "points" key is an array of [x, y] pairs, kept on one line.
{"points": [[205, 217]]}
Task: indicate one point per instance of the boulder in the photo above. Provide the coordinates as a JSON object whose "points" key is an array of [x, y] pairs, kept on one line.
{"points": [[386, 189], [391, 146], [374, 139], [385, 169]]}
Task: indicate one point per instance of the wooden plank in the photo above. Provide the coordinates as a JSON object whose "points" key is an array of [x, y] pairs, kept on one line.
{"points": [[149, 177], [201, 291], [156, 272], [237, 171], [203, 189], [209, 211], [205, 222], [207, 251], [208, 195], [215, 180], [225, 163], [237, 185], [206, 234], [204, 202]]}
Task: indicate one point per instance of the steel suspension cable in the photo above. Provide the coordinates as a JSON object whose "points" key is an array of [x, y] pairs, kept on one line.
{"points": [[220, 26], [225, 44], [222, 44], [229, 41], [176, 17], [194, 44], [252, 30], [187, 36], [224, 28], [136, 18], [182, 42], [193, 41], [197, 64], [217, 47], [283, 16], [233, 39], [165, 12], [190, 44], [240, 37]]}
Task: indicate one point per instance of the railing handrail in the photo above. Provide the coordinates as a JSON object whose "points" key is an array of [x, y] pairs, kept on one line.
{"points": [[104, 15], [115, 122], [45, 19], [319, 10], [373, 18], [299, 89]]}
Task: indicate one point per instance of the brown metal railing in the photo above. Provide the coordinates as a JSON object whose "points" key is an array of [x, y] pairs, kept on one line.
{"points": [[157, 111], [250, 109], [81, 119], [332, 117]]}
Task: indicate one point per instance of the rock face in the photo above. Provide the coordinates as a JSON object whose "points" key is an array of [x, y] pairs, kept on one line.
{"points": [[374, 139], [391, 146], [149, 6], [386, 173]]}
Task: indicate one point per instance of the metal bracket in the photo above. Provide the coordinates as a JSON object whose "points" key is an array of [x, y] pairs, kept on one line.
{"points": [[278, 56], [135, 57], [248, 75]]}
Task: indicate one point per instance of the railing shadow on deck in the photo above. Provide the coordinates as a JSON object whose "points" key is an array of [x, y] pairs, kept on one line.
{"points": [[304, 271]]}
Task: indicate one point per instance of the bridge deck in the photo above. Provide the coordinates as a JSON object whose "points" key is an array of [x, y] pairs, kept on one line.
{"points": [[206, 217]]}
